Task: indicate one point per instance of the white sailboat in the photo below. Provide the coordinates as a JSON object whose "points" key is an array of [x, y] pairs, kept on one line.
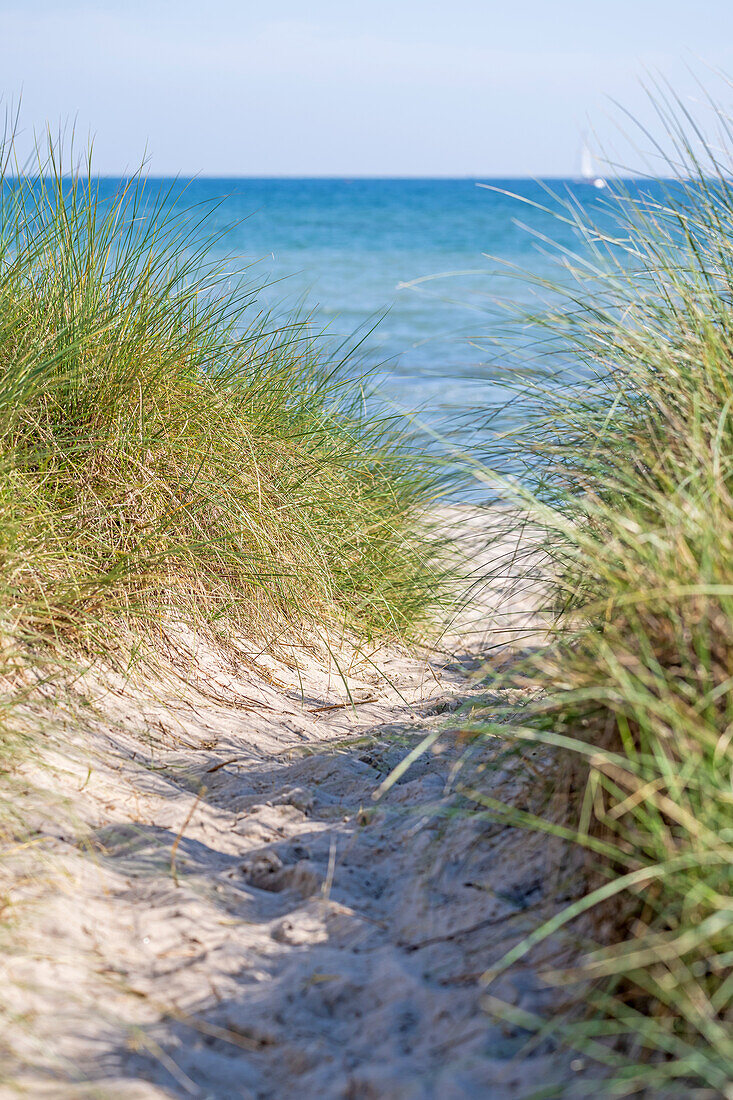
{"points": [[588, 171]]}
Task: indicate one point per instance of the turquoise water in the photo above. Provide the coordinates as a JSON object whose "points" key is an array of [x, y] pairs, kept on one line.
{"points": [[422, 257]]}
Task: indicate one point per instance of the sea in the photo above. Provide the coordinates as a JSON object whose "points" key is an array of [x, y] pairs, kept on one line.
{"points": [[422, 279], [424, 275]]}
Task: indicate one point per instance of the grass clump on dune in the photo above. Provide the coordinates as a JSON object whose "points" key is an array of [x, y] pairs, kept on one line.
{"points": [[636, 688], [167, 451]]}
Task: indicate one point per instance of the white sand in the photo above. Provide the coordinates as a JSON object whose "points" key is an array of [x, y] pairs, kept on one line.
{"points": [[214, 905]]}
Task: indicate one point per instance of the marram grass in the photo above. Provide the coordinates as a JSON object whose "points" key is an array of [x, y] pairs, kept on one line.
{"points": [[636, 686], [167, 451]]}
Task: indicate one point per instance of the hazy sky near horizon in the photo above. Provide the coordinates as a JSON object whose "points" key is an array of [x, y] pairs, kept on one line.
{"points": [[332, 87]]}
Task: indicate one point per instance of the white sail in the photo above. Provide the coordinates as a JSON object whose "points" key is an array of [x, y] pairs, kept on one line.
{"points": [[588, 171]]}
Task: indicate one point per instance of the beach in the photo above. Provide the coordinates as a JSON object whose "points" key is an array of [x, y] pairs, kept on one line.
{"points": [[225, 895], [352, 754]]}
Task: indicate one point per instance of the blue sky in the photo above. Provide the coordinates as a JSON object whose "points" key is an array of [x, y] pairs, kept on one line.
{"points": [[341, 87]]}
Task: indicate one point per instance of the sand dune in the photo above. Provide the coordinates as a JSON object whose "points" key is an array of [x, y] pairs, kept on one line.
{"points": [[214, 904]]}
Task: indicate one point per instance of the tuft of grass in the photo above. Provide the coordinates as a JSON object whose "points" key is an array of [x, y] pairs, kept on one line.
{"points": [[632, 464], [168, 452]]}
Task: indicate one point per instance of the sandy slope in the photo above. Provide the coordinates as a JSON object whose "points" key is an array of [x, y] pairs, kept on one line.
{"points": [[214, 905]]}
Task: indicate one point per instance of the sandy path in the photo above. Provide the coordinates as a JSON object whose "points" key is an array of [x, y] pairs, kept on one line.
{"points": [[217, 907]]}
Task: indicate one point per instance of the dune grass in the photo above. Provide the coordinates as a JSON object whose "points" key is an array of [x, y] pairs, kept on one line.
{"points": [[168, 452], [634, 461]]}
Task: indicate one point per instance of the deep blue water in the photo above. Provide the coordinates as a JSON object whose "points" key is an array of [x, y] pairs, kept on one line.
{"points": [[422, 257]]}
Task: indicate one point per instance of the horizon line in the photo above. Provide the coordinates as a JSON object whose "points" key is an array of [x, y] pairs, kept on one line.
{"points": [[344, 178]]}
